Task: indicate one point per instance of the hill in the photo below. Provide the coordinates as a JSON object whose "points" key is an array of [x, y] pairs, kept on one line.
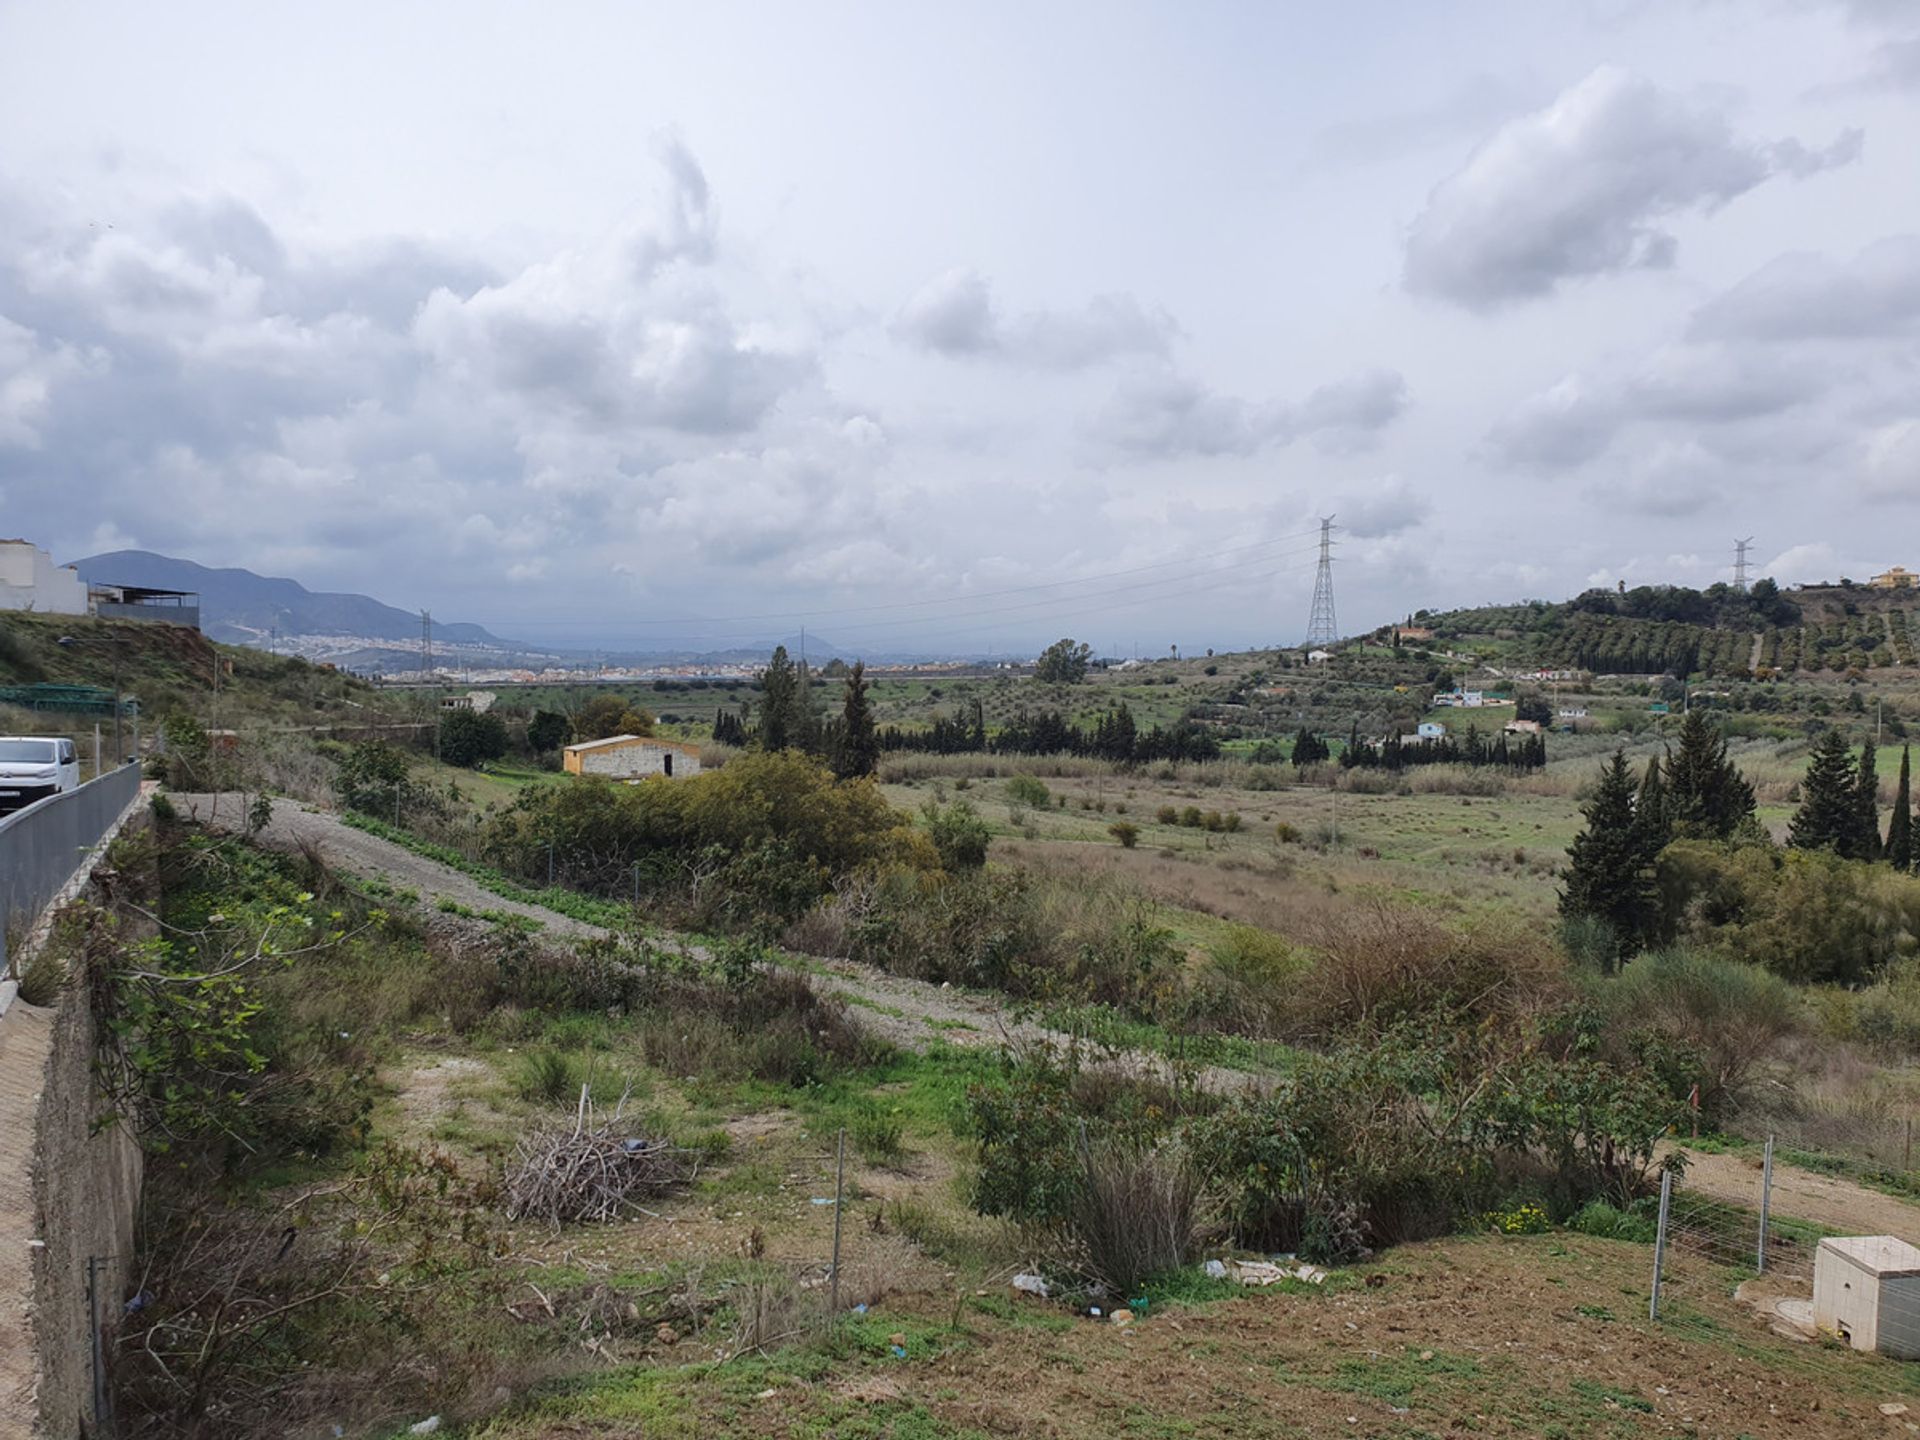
{"points": [[239, 606], [1718, 633]]}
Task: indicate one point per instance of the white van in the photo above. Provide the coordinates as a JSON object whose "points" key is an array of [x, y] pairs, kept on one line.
{"points": [[33, 767]]}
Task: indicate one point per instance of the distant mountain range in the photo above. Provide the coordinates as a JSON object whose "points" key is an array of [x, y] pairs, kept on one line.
{"points": [[241, 607], [361, 633]]}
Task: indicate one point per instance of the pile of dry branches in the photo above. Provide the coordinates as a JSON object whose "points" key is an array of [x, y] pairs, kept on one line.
{"points": [[590, 1171]]}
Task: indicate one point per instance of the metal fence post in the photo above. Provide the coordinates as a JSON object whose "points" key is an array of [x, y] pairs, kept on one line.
{"points": [[1660, 1242], [839, 1185], [1766, 1199]]}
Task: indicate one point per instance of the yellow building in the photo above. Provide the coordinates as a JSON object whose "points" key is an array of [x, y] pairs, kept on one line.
{"points": [[1898, 578]]}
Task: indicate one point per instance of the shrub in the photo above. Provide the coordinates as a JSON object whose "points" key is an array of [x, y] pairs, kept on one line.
{"points": [[878, 1135], [1167, 815], [1028, 791], [960, 837], [1723, 1019], [1599, 1218], [1135, 1211], [1126, 833], [1190, 817], [1286, 833], [469, 738], [1230, 822], [549, 1077]]}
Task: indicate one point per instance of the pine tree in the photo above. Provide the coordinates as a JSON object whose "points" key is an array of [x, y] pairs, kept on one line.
{"points": [[858, 749], [778, 696], [809, 732], [1827, 817], [1707, 797], [1899, 852], [1865, 841], [1609, 865]]}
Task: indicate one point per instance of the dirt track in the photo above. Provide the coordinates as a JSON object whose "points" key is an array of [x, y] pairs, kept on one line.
{"points": [[1802, 1195], [911, 1013]]}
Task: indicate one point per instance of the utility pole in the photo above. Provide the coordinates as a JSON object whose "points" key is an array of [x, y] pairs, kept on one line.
{"points": [[426, 646], [1322, 628], [1740, 564]]}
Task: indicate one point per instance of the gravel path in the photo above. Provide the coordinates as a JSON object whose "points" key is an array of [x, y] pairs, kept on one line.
{"points": [[1801, 1195], [911, 1013]]}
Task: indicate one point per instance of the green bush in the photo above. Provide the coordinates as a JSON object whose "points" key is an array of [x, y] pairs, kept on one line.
{"points": [[1599, 1218], [1026, 790], [1190, 817], [1127, 833], [1167, 815], [878, 1135], [469, 738], [960, 837], [547, 1077]]}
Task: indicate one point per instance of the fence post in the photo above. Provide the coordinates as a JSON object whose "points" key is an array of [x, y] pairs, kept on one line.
{"points": [[1660, 1242], [1766, 1199], [839, 1185]]}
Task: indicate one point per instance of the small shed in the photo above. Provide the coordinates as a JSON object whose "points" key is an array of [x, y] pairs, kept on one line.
{"points": [[632, 757], [1866, 1290], [1432, 730]]}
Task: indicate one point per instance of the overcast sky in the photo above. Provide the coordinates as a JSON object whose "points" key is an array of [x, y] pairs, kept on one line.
{"points": [[601, 322]]}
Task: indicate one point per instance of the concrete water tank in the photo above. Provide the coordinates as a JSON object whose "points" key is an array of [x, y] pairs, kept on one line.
{"points": [[1866, 1290]]}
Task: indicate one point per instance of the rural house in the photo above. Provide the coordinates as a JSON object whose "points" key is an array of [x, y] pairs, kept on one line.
{"points": [[632, 757]]}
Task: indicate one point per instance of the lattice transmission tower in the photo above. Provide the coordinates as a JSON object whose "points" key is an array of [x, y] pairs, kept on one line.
{"points": [[1322, 628], [1740, 563]]}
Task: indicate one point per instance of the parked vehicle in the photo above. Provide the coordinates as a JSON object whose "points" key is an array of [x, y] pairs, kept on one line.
{"points": [[32, 767]]}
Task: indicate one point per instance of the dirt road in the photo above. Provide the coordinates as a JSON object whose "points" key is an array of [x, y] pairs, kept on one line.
{"points": [[1802, 1195], [912, 1013]]}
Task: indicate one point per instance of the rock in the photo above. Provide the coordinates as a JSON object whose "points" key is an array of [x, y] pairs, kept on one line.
{"points": [[1893, 1408], [425, 1427], [1120, 1319], [1426, 1354], [666, 1334]]}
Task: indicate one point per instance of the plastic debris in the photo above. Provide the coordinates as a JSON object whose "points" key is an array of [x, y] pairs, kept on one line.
{"points": [[899, 1352], [823, 1200], [425, 1427], [1263, 1272], [860, 1309], [1031, 1285], [1120, 1319]]}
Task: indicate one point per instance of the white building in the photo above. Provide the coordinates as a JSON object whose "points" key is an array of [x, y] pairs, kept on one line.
{"points": [[29, 580], [1866, 1291], [631, 757]]}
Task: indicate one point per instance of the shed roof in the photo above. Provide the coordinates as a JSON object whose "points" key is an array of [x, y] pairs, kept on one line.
{"points": [[1882, 1255], [612, 741]]}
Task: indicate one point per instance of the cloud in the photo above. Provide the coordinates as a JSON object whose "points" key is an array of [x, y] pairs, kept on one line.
{"points": [[954, 315], [1581, 188], [1388, 508], [1167, 415], [1699, 388], [1803, 296], [1892, 462], [1480, 100], [29, 372]]}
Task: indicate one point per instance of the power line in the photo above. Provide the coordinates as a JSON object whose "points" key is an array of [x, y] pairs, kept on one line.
{"points": [[1322, 628], [1740, 564]]}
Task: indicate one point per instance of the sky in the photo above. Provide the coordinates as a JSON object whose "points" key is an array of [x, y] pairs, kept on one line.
{"points": [[962, 328]]}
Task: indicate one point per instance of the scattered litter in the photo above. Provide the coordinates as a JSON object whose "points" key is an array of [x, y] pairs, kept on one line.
{"points": [[425, 1427], [1263, 1272], [860, 1309], [897, 1339], [1893, 1408], [138, 1303], [766, 1394], [1120, 1319], [1094, 1310], [899, 1353], [1031, 1285], [1426, 1354], [823, 1200]]}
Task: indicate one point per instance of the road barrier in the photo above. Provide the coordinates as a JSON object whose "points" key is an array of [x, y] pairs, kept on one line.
{"points": [[43, 845]]}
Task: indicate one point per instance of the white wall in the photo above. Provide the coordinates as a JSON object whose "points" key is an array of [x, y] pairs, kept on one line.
{"points": [[29, 580], [633, 762]]}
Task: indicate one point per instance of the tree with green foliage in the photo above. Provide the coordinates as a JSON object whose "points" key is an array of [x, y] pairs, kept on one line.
{"points": [[1309, 749], [608, 714], [779, 702], [1063, 663], [809, 727], [469, 738], [1828, 817], [1652, 810], [857, 747], [1866, 806], [1610, 865], [1899, 850], [1706, 795], [548, 730]]}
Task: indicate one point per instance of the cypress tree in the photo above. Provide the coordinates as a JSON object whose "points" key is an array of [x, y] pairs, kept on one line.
{"points": [[858, 750], [1828, 813], [1651, 811], [777, 701], [1899, 852], [1865, 841], [1707, 797], [1609, 865]]}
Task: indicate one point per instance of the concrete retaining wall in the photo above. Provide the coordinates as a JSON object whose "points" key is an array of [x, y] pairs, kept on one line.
{"points": [[69, 1192]]}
